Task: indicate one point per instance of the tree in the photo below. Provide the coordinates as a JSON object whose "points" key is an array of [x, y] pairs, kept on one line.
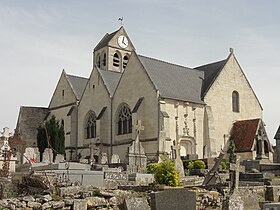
{"points": [[56, 140]]}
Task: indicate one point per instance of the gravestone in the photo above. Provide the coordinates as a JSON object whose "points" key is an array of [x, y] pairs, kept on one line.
{"points": [[178, 161], [103, 158], [136, 204], [59, 158], [234, 176], [47, 156], [31, 155], [162, 141], [137, 160], [115, 158], [179, 199], [233, 201]]}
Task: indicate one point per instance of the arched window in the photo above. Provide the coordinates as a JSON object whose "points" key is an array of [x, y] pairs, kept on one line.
{"points": [[98, 62], [90, 126], [125, 61], [116, 60], [124, 121], [235, 101], [104, 57]]}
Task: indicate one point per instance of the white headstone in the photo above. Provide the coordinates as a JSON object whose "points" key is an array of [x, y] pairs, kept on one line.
{"points": [[115, 158], [59, 158], [32, 155], [104, 158], [48, 155]]}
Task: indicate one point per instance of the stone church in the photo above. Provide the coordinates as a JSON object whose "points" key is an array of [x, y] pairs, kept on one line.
{"points": [[200, 107]]}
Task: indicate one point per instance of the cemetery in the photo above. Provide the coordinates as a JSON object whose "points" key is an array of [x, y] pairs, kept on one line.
{"points": [[224, 182]]}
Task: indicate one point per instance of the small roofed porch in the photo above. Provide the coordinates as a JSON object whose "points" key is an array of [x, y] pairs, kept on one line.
{"points": [[251, 141]]}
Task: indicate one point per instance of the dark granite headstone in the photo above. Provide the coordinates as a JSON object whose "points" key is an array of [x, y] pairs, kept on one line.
{"points": [[136, 204], [175, 199]]}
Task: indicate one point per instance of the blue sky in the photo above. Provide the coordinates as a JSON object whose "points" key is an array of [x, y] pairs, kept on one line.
{"points": [[40, 38]]}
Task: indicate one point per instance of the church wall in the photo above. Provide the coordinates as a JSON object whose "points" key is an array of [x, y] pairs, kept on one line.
{"points": [[134, 84], [95, 97], [61, 114], [63, 93], [219, 98], [61, 102], [189, 127]]}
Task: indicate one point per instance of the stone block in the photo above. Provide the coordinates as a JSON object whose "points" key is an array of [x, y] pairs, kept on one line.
{"points": [[96, 201], [136, 204], [272, 193], [141, 179], [80, 204], [271, 206], [179, 199]]}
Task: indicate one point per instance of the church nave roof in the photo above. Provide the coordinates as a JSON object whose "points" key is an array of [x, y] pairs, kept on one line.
{"points": [[78, 84], [174, 81]]}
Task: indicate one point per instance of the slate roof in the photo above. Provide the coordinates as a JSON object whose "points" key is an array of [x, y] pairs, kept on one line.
{"points": [[78, 84], [111, 79], [211, 71], [277, 135], [174, 81], [29, 119], [243, 133], [106, 39]]}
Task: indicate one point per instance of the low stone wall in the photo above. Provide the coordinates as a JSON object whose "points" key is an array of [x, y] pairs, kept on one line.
{"points": [[74, 197]]}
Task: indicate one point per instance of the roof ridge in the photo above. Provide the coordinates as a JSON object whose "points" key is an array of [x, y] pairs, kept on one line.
{"points": [[34, 107], [209, 64], [167, 62], [72, 75]]}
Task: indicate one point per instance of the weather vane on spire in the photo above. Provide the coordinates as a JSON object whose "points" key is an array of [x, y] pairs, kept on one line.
{"points": [[121, 20]]}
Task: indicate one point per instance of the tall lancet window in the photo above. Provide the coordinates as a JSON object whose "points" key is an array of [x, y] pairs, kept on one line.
{"points": [[124, 120], [90, 126], [235, 101]]}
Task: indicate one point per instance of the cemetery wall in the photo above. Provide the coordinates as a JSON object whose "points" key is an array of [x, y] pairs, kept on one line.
{"points": [[219, 97]]}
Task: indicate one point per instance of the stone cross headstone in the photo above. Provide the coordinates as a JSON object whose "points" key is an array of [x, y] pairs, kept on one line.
{"points": [[136, 155], [178, 161], [6, 136], [235, 169], [48, 156], [162, 141]]}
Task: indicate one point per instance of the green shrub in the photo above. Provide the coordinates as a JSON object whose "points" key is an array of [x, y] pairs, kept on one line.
{"points": [[151, 168], [223, 164], [166, 173], [191, 165], [186, 164], [199, 164]]}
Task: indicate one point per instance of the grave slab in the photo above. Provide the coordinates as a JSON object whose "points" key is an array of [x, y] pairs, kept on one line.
{"points": [[179, 199]]}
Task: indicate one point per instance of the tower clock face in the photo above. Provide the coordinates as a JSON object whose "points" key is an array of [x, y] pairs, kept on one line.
{"points": [[123, 41]]}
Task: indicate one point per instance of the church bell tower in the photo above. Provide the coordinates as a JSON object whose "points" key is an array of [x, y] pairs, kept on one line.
{"points": [[113, 51]]}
